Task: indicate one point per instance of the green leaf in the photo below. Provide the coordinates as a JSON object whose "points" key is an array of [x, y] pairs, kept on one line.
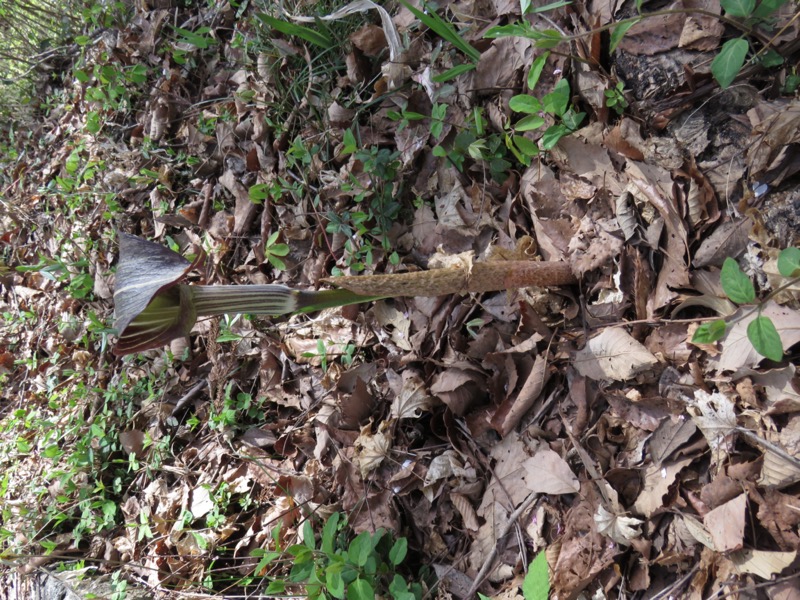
{"points": [[524, 103], [444, 30], [551, 6], [767, 7], [329, 533], [572, 120], [360, 589], [308, 535], [556, 102], [258, 193], [548, 38], [360, 549], [736, 285], [552, 135], [439, 151], [73, 162], [708, 333], [730, 60], [334, 582], [278, 250], [527, 147], [524, 6], [619, 32], [789, 262], [349, 144], [310, 35], [765, 338], [529, 123], [536, 585], [738, 8], [536, 70], [398, 552], [453, 72]]}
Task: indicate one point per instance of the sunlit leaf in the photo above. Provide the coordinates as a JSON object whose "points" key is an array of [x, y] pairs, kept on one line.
{"points": [[736, 285], [765, 338]]}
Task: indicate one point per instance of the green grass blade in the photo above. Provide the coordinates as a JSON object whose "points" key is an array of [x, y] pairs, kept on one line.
{"points": [[444, 30]]}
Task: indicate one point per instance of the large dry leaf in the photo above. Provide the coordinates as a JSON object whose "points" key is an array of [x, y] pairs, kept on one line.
{"points": [[656, 483], [726, 524], [613, 355], [548, 473], [762, 563]]}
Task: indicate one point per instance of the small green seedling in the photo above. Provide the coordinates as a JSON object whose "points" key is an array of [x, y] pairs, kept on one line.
{"points": [[274, 252], [739, 289]]}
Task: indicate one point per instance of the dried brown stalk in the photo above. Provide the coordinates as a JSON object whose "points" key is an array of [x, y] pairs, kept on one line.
{"points": [[490, 276]]}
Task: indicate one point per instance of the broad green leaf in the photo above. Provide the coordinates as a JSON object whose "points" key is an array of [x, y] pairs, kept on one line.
{"points": [[308, 535], [360, 589], [258, 193], [767, 7], [398, 552], [349, 144], [789, 262], [572, 120], [765, 338], [73, 162], [527, 147], [619, 32], [556, 102], [727, 64], [536, 70], [738, 8], [529, 123], [524, 103], [547, 38], [278, 250], [708, 333], [736, 285], [329, 533], [334, 582], [524, 6], [360, 549], [536, 585], [552, 135]]}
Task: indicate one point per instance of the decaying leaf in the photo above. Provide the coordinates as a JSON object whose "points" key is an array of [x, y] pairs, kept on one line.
{"points": [[714, 415], [613, 355], [619, 528]]}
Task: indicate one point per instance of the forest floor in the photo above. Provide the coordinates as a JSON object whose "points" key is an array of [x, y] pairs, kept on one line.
{"points": [[634, 435]]}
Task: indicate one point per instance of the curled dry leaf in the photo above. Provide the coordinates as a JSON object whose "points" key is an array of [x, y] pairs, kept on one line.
{"points": [[413, 398], [619, 528], [371, 449]]}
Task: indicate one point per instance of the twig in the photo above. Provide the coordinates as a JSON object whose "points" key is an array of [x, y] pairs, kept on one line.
{"points": [[487, 564]]}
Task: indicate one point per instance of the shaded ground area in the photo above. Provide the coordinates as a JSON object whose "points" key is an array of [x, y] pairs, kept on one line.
{"points": [[591, 425]]}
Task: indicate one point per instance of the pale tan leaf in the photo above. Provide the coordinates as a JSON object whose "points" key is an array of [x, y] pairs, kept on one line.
{"points": [[468, 514], [371, 449], [656, 483], [698, 531], [726, 524], [777, 470], [762, 563], [413, 398], [548, 473], [613, 355]]}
